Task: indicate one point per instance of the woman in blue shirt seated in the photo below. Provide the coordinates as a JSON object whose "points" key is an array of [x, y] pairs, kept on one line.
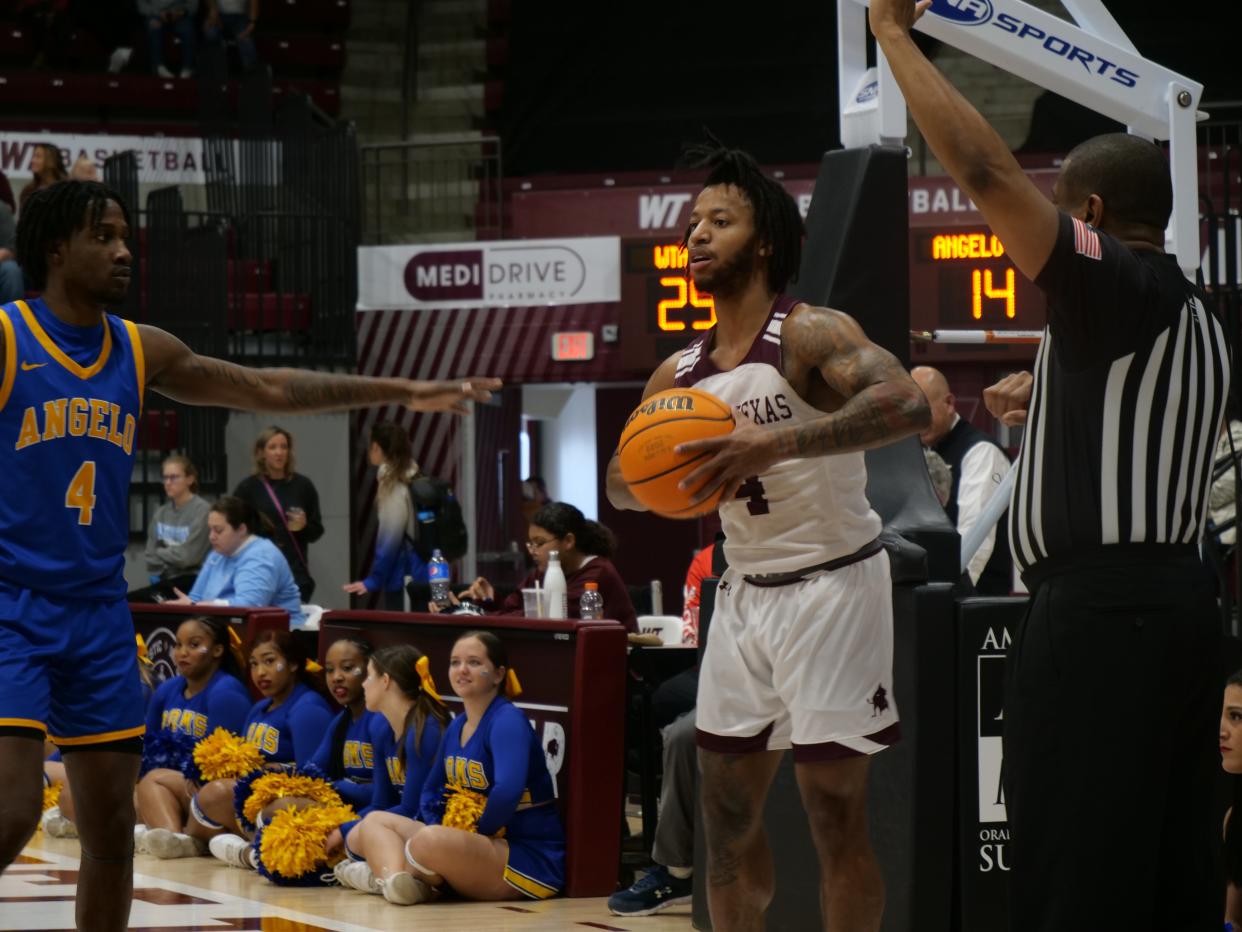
{"points": [[206, 694], [400, 688], [243, 568], [286, 725]]}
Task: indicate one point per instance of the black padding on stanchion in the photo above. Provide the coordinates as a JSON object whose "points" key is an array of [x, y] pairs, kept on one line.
{"points": [[856, 255], [901, 493]]}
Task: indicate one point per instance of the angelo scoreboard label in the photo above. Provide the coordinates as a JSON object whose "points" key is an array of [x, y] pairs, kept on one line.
{"points": [[986, 630]]}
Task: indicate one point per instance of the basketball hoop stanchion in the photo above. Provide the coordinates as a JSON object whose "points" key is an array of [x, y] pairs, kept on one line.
{"points": [[976, 337], [1090, 61]]}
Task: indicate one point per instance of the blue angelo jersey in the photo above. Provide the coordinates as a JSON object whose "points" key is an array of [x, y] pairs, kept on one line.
{"points": [[70, 402], [223, 703], [357, 755], [292, 731], [505, 762]]}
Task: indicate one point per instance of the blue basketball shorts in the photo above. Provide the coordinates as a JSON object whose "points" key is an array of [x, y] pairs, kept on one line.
{"points": [[70, 667]]}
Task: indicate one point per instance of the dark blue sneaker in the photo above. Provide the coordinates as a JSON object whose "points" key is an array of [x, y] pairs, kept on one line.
{"points": [[656, 891]]}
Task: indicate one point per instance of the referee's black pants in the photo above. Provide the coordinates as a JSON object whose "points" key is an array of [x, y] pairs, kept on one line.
{"points": [[1112, 712]]}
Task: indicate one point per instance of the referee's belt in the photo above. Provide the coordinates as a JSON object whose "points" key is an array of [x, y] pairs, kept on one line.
{"points": [[771, 580]]}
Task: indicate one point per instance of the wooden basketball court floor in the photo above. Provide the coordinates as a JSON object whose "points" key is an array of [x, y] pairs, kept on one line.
{"points": [[203, 895]]}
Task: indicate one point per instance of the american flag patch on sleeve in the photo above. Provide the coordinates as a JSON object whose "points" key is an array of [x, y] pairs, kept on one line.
{"points": [[1086, 240]]}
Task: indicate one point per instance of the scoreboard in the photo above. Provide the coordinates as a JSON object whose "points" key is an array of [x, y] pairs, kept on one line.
{"points": [[960, 278]]}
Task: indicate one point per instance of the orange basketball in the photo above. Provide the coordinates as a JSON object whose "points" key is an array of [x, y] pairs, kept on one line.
{"points": [[648, 463]]}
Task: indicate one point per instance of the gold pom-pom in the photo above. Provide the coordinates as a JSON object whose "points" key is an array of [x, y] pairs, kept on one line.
{"points": [[293, 842], [51, 796], [463, 808], [277, 785], [222, 755]]}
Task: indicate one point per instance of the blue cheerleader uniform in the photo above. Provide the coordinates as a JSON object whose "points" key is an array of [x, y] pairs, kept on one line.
{"points": [[351, 774], [293, 730], [223, 703], [397, 788], [504, 761]]}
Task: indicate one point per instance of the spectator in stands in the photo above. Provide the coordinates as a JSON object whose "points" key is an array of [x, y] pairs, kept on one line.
{"points": [[85, 169], [233, 19], [6, 194], [244, 568], [1222, 499], [286, 498], [47, 167], [395, 558], [584, 547], [1231, 761], [177, 536], [667, 882], [12, 286], [978, 466], [177, 17]]}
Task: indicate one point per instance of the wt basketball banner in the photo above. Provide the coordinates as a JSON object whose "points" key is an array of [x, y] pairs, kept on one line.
{"points": [[515, 273], [161, 159]]}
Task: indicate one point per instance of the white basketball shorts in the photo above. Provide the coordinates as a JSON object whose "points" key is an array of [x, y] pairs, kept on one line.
{"points": [[807, 665]]}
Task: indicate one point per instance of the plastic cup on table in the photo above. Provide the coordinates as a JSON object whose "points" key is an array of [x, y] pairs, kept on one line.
{"points": [[532, 606]]}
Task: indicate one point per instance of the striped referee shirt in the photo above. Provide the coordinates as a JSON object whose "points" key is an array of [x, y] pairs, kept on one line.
{"points": [[1129, 392]]}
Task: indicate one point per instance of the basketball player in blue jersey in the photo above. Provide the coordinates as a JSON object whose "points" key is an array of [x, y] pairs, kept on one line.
{"points": [[800, 650], [72, 382]]}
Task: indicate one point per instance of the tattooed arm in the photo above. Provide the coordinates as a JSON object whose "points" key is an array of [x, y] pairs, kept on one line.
{"points": [[172, 369], [881, 403]]}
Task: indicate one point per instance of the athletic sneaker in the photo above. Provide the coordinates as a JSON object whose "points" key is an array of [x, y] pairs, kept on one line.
{"points": [[234, 851], [404, 889], [656, 891], [357, 875], [140, 839], [57, 825], [162, 843]]}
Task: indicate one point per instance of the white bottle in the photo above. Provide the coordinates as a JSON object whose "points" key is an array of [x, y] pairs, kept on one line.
{"points": [[555, 596], [439, 578]]}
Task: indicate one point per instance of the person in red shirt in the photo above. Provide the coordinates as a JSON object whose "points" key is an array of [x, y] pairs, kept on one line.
{"points": [[585, 547]]}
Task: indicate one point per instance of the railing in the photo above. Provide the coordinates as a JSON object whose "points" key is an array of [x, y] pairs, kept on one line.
{"points": [[438, 191]]}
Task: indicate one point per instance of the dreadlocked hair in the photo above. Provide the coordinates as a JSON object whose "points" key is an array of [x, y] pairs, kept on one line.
{"points": [[52, 215], [778, 224]]}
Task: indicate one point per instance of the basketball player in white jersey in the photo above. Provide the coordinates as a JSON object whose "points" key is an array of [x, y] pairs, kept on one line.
{"points": [[799, 654]]}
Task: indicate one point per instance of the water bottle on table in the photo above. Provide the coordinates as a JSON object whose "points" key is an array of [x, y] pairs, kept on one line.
{"points": [[555, 594], [591, 605], [439, 578]]}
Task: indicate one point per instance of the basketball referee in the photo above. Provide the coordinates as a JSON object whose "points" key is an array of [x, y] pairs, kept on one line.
{"points": [[1112, 701]]}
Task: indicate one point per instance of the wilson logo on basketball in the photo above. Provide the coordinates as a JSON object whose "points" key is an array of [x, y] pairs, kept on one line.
{"points": [[675, 403]]}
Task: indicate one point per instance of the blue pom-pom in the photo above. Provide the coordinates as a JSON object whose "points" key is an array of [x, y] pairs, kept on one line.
{"points": [[241, 792], [170, 750]]}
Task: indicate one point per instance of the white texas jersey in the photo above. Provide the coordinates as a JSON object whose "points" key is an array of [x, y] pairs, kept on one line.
{"points": [[801, 512]]}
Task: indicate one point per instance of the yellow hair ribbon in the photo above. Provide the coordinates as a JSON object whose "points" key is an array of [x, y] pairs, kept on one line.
{"points": [[313, 666], [423, 668], [513, 688], [234, 638], [143, 656]]}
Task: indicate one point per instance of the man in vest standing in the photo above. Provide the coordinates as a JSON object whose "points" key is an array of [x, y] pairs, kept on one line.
{"points": [[978, 465]]}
